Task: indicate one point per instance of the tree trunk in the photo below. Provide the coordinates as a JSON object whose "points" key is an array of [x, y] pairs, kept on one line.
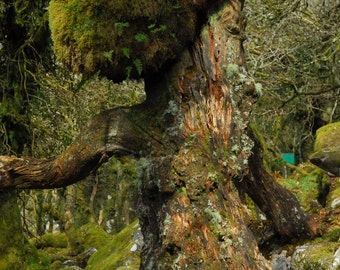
{"points": [[191, 138], [72, 234], [189, 210]]}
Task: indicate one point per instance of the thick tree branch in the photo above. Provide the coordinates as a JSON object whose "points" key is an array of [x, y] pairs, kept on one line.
{"points": [[109, 133], [278, 204]]}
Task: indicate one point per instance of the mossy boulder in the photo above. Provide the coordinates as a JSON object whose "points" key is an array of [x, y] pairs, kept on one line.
{"points": [[123, 38], [92, 235], [327, 149], [327, 137], [317, 256], [118, 253]]}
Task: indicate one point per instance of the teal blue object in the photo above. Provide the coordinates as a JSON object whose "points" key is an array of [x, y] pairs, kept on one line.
{"points": [[288, 157]]}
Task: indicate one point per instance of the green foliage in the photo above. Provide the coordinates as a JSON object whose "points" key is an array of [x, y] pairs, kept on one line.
{"points": [[154, 29], [66, 102], [108, 55], [126, 52], [139, 66], [120, 26], [24, 51], [15, 251], [141, 37]]}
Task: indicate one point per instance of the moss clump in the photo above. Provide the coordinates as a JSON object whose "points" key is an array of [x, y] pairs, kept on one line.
{"points": [[54, 240], [92, 235], [120, 37], [333, 235], [117, 253]]}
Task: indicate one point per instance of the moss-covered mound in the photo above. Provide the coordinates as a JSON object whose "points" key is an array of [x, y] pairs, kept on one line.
{"points": [[327, 149], [327, 137], [118, 253], [122, 38], [92, 235]]}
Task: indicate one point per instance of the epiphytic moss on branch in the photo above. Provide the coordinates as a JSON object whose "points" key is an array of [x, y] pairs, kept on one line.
{"points": [[155, 32]]}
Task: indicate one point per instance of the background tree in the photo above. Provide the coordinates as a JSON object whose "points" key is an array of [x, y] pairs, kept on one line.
{"points": [[24, 47], [293, 52]]}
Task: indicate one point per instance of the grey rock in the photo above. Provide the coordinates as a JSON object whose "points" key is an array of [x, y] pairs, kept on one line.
{"points": [[336, 261], [335, 203], [280, 261]]}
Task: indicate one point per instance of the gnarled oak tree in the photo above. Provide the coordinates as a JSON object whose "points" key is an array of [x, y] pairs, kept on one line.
{"points": [[191, 132]]}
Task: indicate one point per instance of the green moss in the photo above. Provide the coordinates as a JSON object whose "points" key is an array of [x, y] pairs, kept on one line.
{"points": [[313, 266], [318, 255], [55, 240], [333, 235], [321, 252], [306, 189], [116, 254], [27, 258], [153, 31], [92, 235]]}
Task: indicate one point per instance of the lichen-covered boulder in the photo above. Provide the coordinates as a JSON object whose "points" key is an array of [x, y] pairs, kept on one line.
{"points": [[123, 38], [327, 149], [319, 256], [327, 137]]}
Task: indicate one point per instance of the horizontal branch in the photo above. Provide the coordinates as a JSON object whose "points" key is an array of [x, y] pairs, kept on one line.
{"points": [[109, 133]]}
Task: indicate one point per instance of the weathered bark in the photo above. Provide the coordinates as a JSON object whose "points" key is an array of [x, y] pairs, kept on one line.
{"points": [[189, 210], [192, 140]]}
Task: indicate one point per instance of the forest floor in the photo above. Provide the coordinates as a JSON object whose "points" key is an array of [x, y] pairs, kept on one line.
{"points": [[318, 194]]}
